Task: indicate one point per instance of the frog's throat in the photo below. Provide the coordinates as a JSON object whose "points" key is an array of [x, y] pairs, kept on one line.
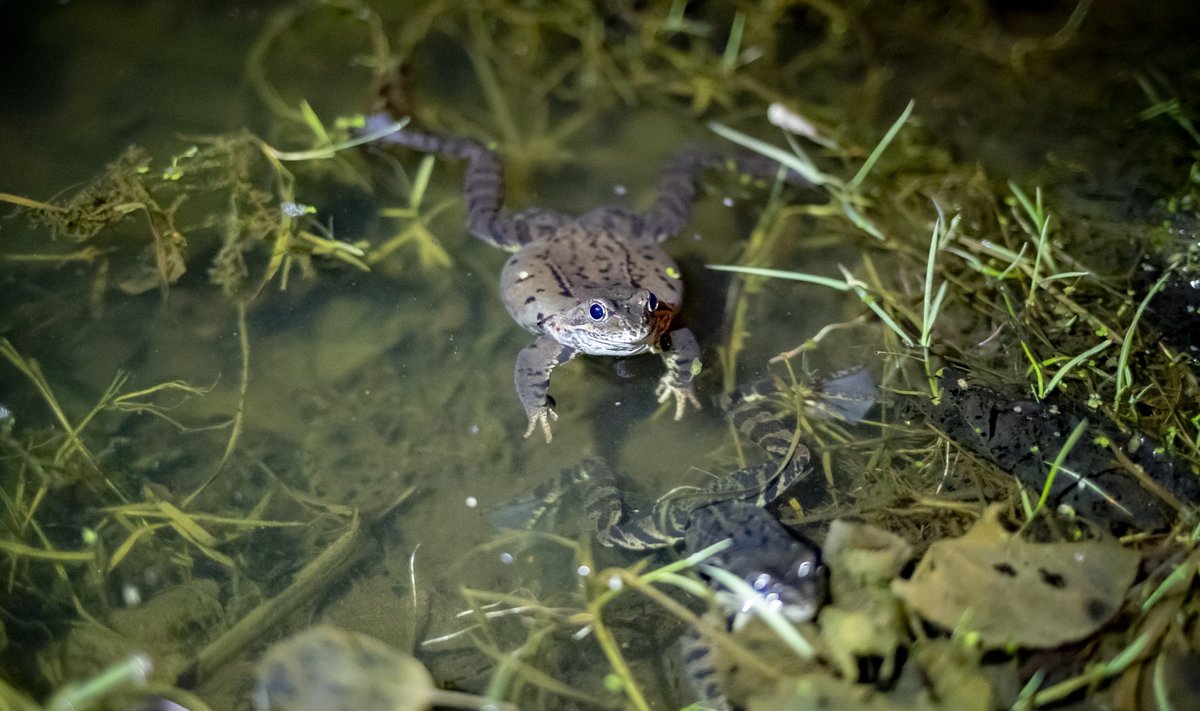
{"points": [[660, 321]]}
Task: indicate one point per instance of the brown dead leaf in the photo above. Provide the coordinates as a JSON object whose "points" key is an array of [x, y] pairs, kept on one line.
{"points": [[1012, 592]]}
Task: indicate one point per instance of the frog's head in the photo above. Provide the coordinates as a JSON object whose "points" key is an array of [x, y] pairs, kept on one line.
{"points": [[792, 582], [615, 322], [779, 569]]}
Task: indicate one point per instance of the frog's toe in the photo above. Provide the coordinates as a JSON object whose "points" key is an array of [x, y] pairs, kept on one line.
{"points": [[683, 395], [541, 416]]}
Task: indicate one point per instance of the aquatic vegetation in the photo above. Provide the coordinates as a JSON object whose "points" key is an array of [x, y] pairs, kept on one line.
{"points": [[195, 477]]}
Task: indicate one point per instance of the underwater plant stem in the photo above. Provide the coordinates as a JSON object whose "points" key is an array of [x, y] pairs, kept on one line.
{"points": [[613, 654], [240, 414], [29, 203], [463, 700], [512, 664], [132, 671], [74, 443], [323, 571], [1093, 675]]}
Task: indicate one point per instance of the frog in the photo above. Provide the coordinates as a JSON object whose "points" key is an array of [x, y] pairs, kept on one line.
{"points": [[597, 284], [786, 569]]}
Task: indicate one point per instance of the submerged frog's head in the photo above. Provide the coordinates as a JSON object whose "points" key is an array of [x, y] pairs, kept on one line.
{"points": [[780, 570], [794, 587], [616, 322]]}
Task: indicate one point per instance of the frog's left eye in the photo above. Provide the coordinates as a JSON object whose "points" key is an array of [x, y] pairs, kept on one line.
{"points": [[597, 311], [652, 302]]}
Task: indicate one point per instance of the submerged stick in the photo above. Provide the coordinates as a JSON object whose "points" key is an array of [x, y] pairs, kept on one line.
{"points": [[324, 570]]}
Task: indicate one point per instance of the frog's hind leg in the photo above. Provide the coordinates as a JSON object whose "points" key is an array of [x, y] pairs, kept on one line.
{"points": [[483, 184], [604, 504], [761, 426], [676, 191], [702, 665], [679, 183], [662, 526], [770, 479]]}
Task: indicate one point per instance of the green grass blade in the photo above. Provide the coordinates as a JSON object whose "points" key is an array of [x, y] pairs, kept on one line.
{"points": [[775, 153], [881, 147], [1075, 362], [772, 617], [838, 284], [1123, 376]]}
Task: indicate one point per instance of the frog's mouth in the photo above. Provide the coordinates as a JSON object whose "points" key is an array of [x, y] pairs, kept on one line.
{"points": [[594, 345]]}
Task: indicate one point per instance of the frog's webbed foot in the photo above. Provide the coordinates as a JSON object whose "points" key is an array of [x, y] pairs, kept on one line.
{"points": [[681, 353], [532, 378], [541, 416], [683, 393]]}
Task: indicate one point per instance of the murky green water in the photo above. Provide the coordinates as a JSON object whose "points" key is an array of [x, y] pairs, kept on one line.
{"points": [[348, 388]]}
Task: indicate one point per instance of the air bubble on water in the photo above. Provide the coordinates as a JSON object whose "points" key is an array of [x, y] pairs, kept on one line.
{"points": [[472, 502], [130, 595]]}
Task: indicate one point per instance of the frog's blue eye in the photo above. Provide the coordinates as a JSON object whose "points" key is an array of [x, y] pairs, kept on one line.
{"points": [[652, 302], [597, 312]]}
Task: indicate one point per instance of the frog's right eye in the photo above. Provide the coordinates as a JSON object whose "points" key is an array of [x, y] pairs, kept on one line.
{"points": [[597, 311]]}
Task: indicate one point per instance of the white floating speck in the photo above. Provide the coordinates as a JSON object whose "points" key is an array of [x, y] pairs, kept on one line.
{"points": [[727, 201], [619, 189], [583, 570], [130, 595], [506, 558], [296, 209], [615, 582], [472, 502], [790, 121]]}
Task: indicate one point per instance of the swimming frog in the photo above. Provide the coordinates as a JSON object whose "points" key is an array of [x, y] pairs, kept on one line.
{"points": [[784, 569], [597, 284]]}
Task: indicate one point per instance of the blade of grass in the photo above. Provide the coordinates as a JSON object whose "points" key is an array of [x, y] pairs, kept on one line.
{"points": [[1124, 378], [788, 160], [1094, 350], [323, 152], [848, 283], [772, 617], [840, 285], [1061, 457], [880, 147], [733, 46]]}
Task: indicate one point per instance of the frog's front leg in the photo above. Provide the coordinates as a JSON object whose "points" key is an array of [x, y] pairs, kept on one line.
{"points": [[681, 354], [532, 378]]}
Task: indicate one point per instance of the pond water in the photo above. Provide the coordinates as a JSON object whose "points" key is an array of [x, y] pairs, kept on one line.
{"points": [[195, 409]]}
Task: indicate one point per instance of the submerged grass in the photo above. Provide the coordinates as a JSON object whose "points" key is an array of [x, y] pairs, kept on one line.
{"points": [[1001, 286]]}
